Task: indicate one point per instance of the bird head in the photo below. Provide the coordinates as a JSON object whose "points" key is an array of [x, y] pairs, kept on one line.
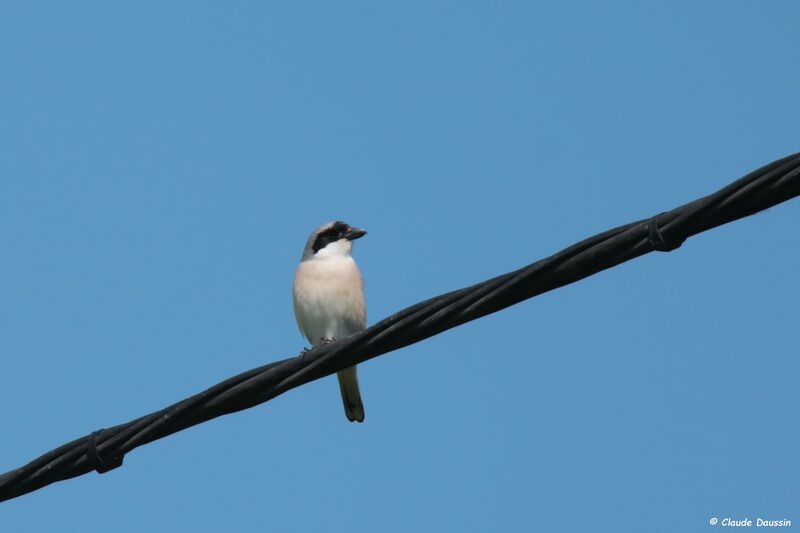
{"points": [[332, 239]]}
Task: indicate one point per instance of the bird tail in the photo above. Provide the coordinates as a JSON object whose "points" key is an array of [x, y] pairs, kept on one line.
{"points": [[351, 396]]}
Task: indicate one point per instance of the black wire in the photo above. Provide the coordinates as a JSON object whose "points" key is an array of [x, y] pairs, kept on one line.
{"points": [[102, 450]]}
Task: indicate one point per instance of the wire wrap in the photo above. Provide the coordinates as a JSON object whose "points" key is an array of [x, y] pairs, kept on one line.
{"points": [[100, 465], [770, 185]]}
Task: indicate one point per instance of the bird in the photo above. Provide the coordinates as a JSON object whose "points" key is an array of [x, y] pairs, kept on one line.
{"points": [[328, 297]]}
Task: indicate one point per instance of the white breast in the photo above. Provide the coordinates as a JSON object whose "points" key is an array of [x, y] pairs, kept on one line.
{"points": [[328, 295]]}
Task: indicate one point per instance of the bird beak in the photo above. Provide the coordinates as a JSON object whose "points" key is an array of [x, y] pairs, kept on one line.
{"points": [[355, 233]]}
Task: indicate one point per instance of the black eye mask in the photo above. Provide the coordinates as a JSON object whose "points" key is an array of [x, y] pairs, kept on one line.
{"points": [[332, 234]]}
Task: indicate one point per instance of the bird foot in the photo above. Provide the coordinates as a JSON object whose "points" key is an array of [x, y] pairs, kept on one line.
{"points": [[322, 341]]}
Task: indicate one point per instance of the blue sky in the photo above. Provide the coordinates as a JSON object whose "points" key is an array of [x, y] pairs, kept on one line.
{"points": [[161, 165]]}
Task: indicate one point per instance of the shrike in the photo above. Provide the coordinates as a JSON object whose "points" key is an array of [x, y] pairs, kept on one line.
{"points": [[328, 295]]}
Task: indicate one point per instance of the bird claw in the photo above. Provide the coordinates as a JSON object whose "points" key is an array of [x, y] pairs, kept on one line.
{"points": [[322, 341], [304, 352]]}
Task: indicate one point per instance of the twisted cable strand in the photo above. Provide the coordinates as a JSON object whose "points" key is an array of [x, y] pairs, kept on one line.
{"points": [[763, 188]]}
